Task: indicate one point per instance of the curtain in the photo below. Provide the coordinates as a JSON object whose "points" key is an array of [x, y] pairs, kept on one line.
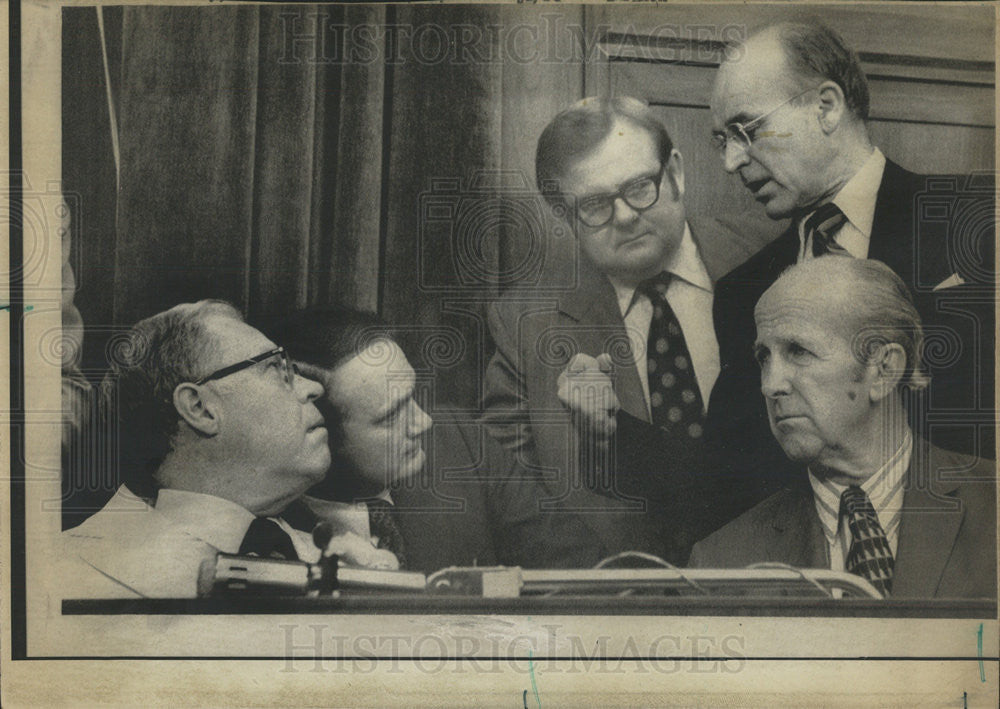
{"points": [[288, 156]]}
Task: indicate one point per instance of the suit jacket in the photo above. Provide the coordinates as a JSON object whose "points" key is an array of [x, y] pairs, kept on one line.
{"points": [[920, 232], [128, 549], [472, 505], [947, 535], [536, 335]]}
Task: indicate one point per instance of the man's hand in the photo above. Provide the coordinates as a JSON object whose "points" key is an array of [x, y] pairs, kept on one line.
{"points": [[355, 551], [585, 388]]}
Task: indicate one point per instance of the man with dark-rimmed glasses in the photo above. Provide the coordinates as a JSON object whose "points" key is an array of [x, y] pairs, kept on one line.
{"points": [[217, 435], [633, 333], [790, 113]]}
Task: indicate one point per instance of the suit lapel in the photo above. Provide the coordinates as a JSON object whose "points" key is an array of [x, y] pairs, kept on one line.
{"points": [[894, 240], [891, 240], [929, 526], [594, 304], [794, 534]]}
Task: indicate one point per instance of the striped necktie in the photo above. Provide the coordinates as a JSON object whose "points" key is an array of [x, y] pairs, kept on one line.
{"points": [[820, 228], [869, 555]]}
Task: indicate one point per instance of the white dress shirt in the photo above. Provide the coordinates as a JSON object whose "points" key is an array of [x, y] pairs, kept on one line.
{"points": [[222, 523], [856, 200], [884, 489], [345, 517], [690, 296]]}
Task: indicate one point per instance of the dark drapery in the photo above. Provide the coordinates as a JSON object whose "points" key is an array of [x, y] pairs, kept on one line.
{"points": [[286, 156]]}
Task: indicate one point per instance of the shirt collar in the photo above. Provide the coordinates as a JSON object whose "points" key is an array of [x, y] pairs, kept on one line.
{"points": [[856, 198], [884, 489], [684, 263], [216, 521], [344, 516]]}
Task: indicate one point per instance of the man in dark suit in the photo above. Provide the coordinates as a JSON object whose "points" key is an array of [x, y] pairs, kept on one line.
{"points": [[460, 501], [631, 342], [838, 342], [789, 113]]}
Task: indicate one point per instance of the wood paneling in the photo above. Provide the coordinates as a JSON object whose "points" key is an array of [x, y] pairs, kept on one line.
{"points": [[932, 100], [963, 32]]}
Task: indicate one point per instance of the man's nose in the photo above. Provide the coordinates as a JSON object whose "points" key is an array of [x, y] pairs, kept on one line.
{"points": [[734, 156], [420, 421], [307, 389], [624, 213], [774, 379]]}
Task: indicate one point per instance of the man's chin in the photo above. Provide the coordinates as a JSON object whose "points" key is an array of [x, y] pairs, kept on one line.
{"points": [[411, 466], [798, 449], [778, 207]]}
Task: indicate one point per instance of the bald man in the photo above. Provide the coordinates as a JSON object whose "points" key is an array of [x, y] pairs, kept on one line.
{"points": [[789, 116], [838, 342]]}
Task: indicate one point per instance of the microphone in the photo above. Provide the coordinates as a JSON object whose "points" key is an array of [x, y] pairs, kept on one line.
{"points": [[232, 574], [322, 534]]}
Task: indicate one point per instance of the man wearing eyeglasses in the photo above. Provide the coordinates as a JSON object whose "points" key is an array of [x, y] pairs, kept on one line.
{"points": [[789, 115], [218, 435], [634, 333]]}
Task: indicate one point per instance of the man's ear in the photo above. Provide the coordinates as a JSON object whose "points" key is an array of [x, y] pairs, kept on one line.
{"points": [[675, 171], [889, 363], [832, 106], [197, 408]]}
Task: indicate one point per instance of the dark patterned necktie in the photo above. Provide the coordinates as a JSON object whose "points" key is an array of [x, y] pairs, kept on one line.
{"points": [[382, 524], [870, 555], [266, 539], [674, 398], [820, 228]]}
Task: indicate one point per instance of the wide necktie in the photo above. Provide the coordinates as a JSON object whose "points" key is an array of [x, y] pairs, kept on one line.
{"points": [[382, 524], [674, 398], [869, 555], [820, 228], [265, 538]]}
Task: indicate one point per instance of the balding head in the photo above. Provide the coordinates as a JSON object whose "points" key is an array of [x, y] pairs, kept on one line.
{"points": [[862, 300], [797, 55], [789, 112]]}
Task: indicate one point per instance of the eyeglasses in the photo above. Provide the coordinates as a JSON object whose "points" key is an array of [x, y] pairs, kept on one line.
{"points": [[640, 195], [288, 370], [744, 133]]}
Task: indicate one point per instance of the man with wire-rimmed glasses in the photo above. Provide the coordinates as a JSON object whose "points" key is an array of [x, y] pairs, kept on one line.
{"points": [[790, 115], [634, 333], [218, 434]]}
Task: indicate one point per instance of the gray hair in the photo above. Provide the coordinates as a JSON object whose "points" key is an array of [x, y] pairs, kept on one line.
{"points": [[876, 309], [814, 51], [154, 357]]}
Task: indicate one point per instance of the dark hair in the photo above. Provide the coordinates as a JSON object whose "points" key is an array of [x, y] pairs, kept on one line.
{"points": [[576, 131], [814, 51], [147, 364], [329, 337]]}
